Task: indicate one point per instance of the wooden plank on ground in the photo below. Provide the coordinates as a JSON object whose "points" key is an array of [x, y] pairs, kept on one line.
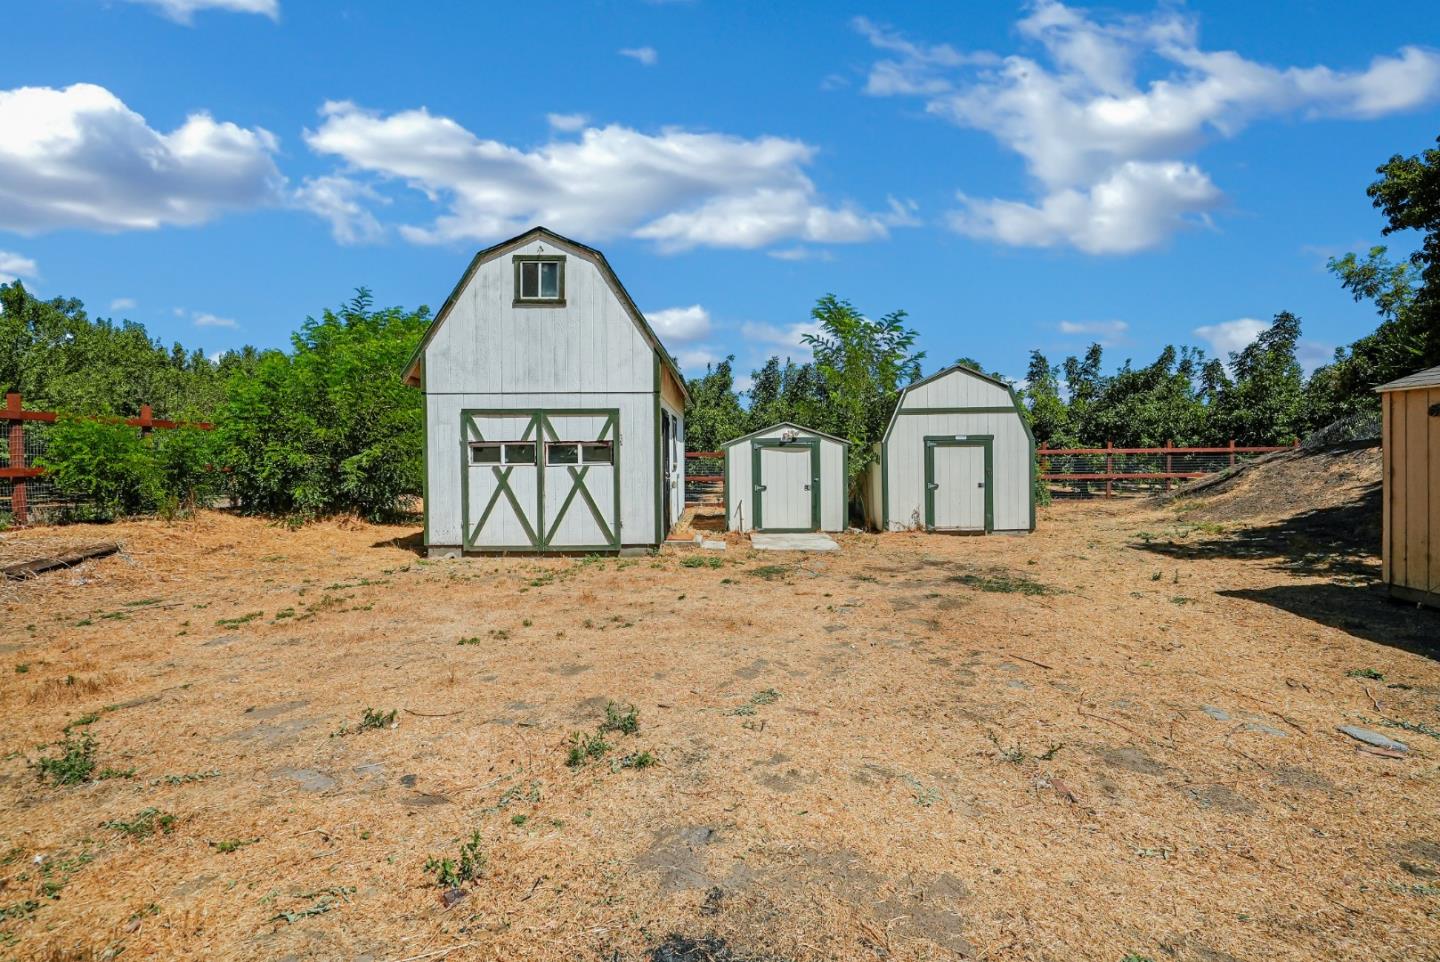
{"points": [[38, 566]]}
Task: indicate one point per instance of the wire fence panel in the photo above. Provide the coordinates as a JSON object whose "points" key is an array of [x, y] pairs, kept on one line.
{"points": [[704, 477], [26, 494], [1083, 472]]}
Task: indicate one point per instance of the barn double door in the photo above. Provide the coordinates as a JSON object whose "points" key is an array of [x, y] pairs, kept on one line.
{"points": [[958, 490], [541, 480]]}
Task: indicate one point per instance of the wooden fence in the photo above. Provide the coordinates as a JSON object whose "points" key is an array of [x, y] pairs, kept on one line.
{"points": [[1078, 468], [25, 444], [1083, 467]]}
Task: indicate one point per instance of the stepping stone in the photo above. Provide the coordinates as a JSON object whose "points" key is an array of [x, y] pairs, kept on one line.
{"points": [[1373, 738], [712, 545], [802, 541]]}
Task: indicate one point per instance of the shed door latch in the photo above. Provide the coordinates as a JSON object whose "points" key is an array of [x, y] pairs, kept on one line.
{"points": [[759, 487], [933, 486], [980, 484], [807, 487]]}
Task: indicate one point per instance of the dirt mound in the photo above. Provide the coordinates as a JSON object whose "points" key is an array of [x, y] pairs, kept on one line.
{"points": [[1286, 484]]}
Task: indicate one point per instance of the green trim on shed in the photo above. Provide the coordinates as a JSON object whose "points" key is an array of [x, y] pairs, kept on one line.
{"points": [[985, 441], [757, 483]]}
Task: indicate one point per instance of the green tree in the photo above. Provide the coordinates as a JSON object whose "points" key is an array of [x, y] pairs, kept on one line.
{"points": [[1264, 403], [329, 427], [54, 354], [862, 364], [1049, 415], [782, 392], [713, 414]]}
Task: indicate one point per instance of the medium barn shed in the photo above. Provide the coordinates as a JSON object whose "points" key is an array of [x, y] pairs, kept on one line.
{"points": [[787, 478], [1410, 540], [957, 455], [554, 417]]}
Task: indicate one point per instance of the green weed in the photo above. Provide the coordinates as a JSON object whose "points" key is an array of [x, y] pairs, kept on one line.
{"points": [[146, 822], [626, 721], [701, 561], [584, 747], [1004, 583], [468, 866], [230, 624], [370, 720], [232, 845], [74, 764], [1369, 673]]}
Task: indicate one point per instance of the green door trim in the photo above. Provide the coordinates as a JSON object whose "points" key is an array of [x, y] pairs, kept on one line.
{"points": [[985, 441], [538, 426], [757, 483]]}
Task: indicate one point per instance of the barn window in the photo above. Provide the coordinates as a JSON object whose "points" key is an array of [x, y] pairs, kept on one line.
{"points": [[539, 279], [597, 452], [562, 452], [520, 453], [487, 452]]}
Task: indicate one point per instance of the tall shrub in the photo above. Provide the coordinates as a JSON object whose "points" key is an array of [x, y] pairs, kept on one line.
{"points": [[105, 466], [329, 427]]}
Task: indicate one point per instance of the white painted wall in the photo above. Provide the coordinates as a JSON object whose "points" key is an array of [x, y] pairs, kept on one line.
{"points": [[739, 486], [905, 449], [637, 456]]}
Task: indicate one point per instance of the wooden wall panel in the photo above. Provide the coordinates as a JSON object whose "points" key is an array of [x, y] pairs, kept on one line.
{"points": [[1417, 487], [1387, 456]]}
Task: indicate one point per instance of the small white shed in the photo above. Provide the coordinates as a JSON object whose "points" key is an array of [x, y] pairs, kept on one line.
{"points": [[787, 478], [957, 455]]}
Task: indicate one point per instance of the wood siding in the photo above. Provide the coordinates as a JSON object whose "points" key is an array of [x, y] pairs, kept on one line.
{"points": [[589, 345], [637, 455], [739, 485], [930, 410], [1410, 540]]}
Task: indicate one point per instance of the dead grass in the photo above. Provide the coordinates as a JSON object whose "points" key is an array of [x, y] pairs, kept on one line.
{"points": [[921, 769]]}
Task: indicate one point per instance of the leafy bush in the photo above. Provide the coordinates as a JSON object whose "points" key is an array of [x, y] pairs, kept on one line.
{"points": [[108, 466], [74, 764], [185, 465], [330, 427]]}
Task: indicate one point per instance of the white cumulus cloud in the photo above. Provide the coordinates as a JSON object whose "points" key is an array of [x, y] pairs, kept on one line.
{"points": [[338, 199], [648, 56], [1231, 336], [678, 188], [1105, 110], [124, 304], [568, 123], [79, 157], [183, 11], [14, 266], [203, 319], [1106, 332], [680, 323], [789, 336]]}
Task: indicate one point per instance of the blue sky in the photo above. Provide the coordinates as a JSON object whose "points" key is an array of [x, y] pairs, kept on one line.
{"points": [[1014, 176]]}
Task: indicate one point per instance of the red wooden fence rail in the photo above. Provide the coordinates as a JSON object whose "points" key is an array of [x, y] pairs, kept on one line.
{"points": [[19, 473], [1169, 451]]}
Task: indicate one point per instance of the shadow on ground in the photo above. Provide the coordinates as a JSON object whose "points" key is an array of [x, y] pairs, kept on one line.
{"points": [[1364, 611], [413, 542], [1342, 541]]}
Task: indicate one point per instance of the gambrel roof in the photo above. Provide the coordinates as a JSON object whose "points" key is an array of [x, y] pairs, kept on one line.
{"points": [[412, 367]]}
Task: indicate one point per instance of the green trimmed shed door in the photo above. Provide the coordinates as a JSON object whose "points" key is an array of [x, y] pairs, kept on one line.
{"points": [[787, 485], [541, 480], [582, 480], [958, 484], [500, 480]]}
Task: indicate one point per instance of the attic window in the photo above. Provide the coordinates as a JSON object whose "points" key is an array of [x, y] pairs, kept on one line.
{"points": [[539, 279]]}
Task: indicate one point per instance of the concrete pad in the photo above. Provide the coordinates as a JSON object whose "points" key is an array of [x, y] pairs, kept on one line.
{"points": [[802, 541], [713, 545]]}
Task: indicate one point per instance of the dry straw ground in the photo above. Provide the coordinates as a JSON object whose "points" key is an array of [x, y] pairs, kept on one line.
{"points": [[918, 748]]}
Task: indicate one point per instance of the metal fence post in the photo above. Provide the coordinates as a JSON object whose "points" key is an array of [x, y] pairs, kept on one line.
{"points": [[1109, 468]]}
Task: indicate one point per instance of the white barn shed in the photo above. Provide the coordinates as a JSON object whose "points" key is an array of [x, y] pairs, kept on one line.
{"points": [[554, 417], [787, 478], [957, 455]]}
